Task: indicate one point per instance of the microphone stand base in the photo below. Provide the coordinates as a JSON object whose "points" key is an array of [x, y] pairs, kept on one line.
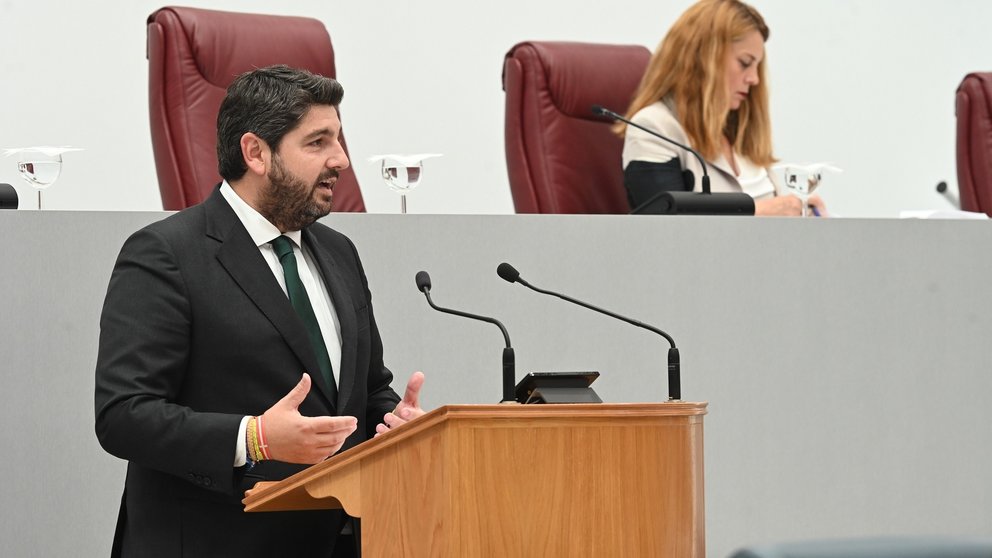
{"points": [[695, 203]]}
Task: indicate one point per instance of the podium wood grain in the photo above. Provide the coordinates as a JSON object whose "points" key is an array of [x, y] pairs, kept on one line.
{"points": [[519, 480]]}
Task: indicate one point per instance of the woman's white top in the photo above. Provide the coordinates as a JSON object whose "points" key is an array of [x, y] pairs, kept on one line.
{"points": [[639, 145]]}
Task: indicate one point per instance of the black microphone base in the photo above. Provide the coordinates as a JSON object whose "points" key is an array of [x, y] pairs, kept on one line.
{"points": [[8, 197], [557, 387], [695, 203]]}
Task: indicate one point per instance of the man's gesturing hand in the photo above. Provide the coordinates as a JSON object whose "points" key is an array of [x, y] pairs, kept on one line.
{"points": [[294, 438], [407, 409]]}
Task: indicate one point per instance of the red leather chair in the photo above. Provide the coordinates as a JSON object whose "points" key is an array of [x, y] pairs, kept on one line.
{"points": [[974, 142], [193, 55], [562, 158]]}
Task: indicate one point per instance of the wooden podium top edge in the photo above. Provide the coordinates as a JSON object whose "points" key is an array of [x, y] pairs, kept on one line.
{"points": [[512, 410], [460, 412]]}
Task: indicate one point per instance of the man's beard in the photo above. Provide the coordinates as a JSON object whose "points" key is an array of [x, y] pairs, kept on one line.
{"points": [[288, 202]]}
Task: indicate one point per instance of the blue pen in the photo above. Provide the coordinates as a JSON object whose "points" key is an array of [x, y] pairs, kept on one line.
{"points": [[816, 212]]}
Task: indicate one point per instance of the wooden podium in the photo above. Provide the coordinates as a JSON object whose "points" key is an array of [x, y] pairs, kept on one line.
{"points": [[518, 480]]}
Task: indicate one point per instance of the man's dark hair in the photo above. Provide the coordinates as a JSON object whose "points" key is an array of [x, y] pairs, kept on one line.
{"points": [[269, 102]]}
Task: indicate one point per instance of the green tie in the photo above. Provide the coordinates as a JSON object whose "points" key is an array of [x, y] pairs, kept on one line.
{"points": [[301, 303]]}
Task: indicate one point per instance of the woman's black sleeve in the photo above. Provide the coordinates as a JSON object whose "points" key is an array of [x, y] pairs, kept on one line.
{"points": [[644, 180]]}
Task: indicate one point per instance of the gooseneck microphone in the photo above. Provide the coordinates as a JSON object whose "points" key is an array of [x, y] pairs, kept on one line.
{"points": [[948, 195], [603, 111], [510, 274], [686, 203], [509, 365]]}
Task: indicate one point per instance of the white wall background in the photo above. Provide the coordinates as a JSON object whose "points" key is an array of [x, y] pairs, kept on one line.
{"points": [[867, 85]]}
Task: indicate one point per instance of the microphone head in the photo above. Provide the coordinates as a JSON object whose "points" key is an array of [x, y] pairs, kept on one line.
{"points": [[423, 281], [941, 186], [507, 272], [598, 109]]}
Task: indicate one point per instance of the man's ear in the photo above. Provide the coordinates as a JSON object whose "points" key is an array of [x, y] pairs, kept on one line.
{"points": [[256, 153]]}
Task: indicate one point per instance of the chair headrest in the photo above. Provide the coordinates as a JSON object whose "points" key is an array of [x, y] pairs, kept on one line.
{"points": [[223, 43], [580, 75]]}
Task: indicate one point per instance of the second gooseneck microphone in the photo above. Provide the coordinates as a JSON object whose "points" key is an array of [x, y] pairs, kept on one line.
{"points": [[509, 273], [948, 195], [509, 364], [687, 203]]}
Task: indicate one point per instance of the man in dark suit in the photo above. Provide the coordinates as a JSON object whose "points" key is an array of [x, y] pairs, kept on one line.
{"points": [[209, 377]]}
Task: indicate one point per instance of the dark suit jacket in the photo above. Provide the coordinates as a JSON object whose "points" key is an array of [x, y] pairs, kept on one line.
{"points": [[195, 334]]}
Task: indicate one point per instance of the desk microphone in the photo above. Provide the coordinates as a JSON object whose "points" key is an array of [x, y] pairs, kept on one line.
{"points": [[687, 203], [509, 366], [509, 273], [948, 195]]}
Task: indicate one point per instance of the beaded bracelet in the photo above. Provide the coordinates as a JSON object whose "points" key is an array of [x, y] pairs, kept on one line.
{"points": [[248, 438], [252, 445], [249, 461]]}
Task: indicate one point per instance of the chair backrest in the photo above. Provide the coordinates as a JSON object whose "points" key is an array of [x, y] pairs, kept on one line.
{"points": [[974, 142], [193, 56], [562, 158]]}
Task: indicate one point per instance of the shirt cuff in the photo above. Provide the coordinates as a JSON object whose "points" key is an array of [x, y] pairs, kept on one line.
{"points": [[240, 449]]}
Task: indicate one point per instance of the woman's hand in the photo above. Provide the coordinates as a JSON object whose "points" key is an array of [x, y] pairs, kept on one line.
{"points": [[788, 206]]}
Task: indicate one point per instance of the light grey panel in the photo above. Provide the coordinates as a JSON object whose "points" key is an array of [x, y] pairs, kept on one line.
{"points": [[845, 361], [60, 490]]}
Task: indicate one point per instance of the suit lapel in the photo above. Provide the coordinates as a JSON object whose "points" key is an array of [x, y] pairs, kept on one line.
{"points": [[241, 258], [344, 306]]}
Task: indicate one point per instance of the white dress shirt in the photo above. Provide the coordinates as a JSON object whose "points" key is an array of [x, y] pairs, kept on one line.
{"points": [[262, 233]]}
